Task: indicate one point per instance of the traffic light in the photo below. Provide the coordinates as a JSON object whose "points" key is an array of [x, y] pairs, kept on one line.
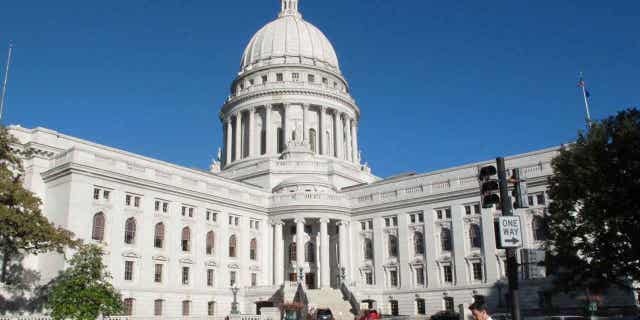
{"points": [[489, 186], [519, 192]]}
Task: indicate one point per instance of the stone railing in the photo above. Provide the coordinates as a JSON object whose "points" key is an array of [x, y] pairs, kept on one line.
{"points": [[288, 85], [297, 198]]}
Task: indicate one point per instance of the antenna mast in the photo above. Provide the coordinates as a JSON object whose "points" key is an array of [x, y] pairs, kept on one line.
{"points": [[4, 82]]}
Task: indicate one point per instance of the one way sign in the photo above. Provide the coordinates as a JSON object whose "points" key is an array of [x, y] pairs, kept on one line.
{"points": [[510, 231]]}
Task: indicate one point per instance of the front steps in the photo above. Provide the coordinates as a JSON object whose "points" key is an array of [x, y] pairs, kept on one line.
{"points": [[332, 299]]}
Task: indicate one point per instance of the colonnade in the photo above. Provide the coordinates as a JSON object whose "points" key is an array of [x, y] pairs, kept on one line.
{"points": [[279, 250], [335, 134]]}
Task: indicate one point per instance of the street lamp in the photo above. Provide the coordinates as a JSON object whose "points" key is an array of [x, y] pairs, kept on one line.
{"points": [[343, 273], [300, 275], [234, 305]]}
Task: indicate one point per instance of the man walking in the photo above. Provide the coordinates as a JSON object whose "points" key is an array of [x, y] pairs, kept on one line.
{"points": [[479, 311]]}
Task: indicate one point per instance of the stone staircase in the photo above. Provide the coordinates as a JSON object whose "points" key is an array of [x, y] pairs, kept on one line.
{"points": [[332, 299]]}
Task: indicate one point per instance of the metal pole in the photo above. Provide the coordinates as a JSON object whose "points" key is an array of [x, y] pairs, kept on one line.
{"points": [[4, 82], [512, 261], [583, 85]]}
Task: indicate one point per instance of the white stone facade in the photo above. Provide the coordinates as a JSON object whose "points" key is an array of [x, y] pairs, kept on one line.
{"points": [[290, 173]]}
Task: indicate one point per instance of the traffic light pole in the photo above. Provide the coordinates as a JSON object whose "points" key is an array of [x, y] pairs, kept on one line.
{"points": [[512, 261]]}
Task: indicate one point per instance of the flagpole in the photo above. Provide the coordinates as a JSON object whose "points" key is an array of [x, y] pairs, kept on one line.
{"points": [[4, 82], [586, 100]]}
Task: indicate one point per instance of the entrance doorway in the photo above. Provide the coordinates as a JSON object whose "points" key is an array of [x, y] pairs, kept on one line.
{"points": [[310, 280]]}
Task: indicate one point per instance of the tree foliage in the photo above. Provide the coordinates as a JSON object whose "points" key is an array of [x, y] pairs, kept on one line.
{"points": [[594, 217], [23, 227], [83, 290]]}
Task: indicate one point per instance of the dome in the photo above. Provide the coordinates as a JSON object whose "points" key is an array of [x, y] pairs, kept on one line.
{"points": [[304, 183], [289, 40]]}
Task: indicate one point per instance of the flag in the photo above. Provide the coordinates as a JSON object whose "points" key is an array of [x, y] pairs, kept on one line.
{"points": [[583, 85]]}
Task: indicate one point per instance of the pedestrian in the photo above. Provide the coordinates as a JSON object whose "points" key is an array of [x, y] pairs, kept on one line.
{"points": [[479, 311]]}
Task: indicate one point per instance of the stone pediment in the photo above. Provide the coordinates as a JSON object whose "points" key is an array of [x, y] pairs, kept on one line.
{"points": [[186, 261], [160, 257], [233, 266], [210, 263], [131, 255], [254, 268]]}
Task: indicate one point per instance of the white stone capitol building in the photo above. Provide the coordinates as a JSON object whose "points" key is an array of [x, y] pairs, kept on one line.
{"points": [[289, 195]]}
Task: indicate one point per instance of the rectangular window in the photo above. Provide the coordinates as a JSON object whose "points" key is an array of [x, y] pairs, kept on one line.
{"points": [[106, 194], [250, 224], [211, 308], [530, 198], [395, 221], [184, 211], [190, 212], [210, 277], [257, 225], [232, 278], [325, 80], [185, 275], [421, 307], [230, 220], [295, 76], [467, 210], [311, 78], [157, 206], [251, 82], [208, 215], [157, 307], [158, 273], [369, 277], [370, 222], [264, 79], [96, 194], [127, 200], [237, 221], [387, 222], [447, 212], [363, 225], [394, 307], [165, 207], [279, 77], [413, 218], [420, 217], [448, 275], [477, 271], [307, 229], [136, 202], [254, 279], [186, 307], [476, 209], [393, 277], [439, 214], [540, 199], [448, 304], [128, 270], [420, 276]]}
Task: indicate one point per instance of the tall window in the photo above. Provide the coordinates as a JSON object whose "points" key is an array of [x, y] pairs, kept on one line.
{"points": [[130, 231], [420, 276], [280, 137], [368, 249], [98, 227], [310, 252], [263, 141], [418, 240], [128, 270], [448, 274], [157, 277], [253, 249], [477, 271], [538, 229], [448, 304], [232, 278], [185, 275], [293, 254], [210, 277], [421, 306], [312, 140], [394, 307], [210, 243], [186, 307], [127, 306], [393, 246], [157, 307], [393, 277], [445, 239], [475, 236], [186, 239], [233, 245], [158, 240], [211, 308]]}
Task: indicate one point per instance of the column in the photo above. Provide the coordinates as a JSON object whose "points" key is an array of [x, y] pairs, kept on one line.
{"points": [[325, 272], [431, 250], [354, 141], [238, 136], [405, 246], [285, 136], [278, 248], [252, 132], [459, 237], [268, 130], [323, 136], [488, 246], [337, 140], [344, 251], [305, 123], [347, 127], [229, 137], [299, 242]]}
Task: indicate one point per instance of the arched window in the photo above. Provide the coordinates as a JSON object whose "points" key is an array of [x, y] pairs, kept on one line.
{"points": [[393, 246], [418, 242], [186, 239], [253, 249], [210, 243], [445, 239], [233, 245], [310, 252], [368, 249], [158, 240], [312, 140], [130, 231], [475, 236], [538, 229], [98, 227], [293, 255]]}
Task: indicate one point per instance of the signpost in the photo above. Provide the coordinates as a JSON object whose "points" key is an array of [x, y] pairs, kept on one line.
{"points": [[510, 231]]}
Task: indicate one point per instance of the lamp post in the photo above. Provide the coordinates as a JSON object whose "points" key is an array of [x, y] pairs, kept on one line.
{"points": [[234, 305], [343, 273], [300, 275]]}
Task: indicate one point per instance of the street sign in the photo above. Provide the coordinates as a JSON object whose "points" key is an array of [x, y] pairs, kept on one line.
{"points": [[510, 231]]}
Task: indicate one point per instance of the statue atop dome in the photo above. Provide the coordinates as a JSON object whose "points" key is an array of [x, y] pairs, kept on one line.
{"points": [[289, 8]]}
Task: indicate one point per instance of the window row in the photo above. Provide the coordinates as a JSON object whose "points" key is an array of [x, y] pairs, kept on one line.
{"points": [[159, 236], [293, 77], [128, 305], [185, 279], [309, 252], [446, 242]]}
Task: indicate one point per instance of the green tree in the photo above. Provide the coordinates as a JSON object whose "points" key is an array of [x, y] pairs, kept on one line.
{"points": [[594, 217], [83, 290], [23, 227]]}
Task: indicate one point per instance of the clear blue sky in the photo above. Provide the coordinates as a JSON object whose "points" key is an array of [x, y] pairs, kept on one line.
{"points": [[439, 83]]}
